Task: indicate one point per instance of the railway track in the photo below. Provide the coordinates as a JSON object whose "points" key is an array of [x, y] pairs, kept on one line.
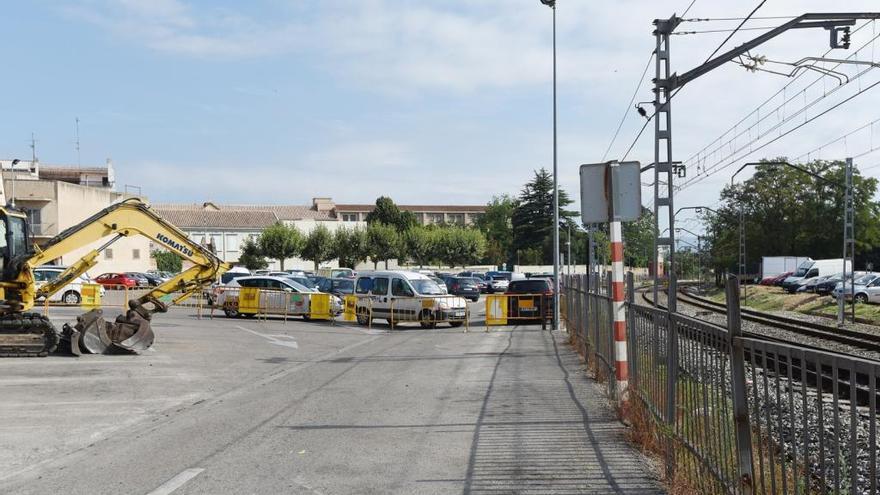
{"points": [[852, 338]]}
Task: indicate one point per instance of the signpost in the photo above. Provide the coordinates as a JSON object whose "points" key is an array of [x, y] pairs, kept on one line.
{"points": [[611, 192]]}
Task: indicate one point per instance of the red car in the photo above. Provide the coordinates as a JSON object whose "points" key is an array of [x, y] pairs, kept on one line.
{"points": [[776, 279], [116, 279]]}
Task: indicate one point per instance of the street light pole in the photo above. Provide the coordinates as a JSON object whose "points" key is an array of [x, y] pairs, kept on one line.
{"points": [[552, 5]]}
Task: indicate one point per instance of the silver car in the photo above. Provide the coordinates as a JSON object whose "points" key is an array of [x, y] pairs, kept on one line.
{"points": [[866, 288]]}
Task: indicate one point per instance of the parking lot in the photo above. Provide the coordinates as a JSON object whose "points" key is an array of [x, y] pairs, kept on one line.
{"points": [[247, 406]]}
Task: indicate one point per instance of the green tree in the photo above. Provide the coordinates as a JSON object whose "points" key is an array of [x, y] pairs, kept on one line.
{"points": [[388, 213], [790, 213], [350, 246], [497, 226], [459, 246], [280, 242], [638, 239], [251, 257], [166, 261], [419, 244], [382, 243], [532, 218], [318, 246]]}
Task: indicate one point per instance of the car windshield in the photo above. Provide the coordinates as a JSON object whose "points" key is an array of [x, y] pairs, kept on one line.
{"points": [[426, 287], [346, 285], [529, 286], [865, 279], [803, 269]]}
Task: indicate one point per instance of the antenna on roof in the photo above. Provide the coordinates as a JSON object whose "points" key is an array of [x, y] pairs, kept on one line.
{"points": [[33, 151], [78, 161]]}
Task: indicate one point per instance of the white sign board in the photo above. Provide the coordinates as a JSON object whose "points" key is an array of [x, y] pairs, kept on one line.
{"points": [[611, 191]]}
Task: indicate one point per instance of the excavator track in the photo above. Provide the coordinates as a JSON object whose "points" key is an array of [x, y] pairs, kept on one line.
{"points": [[27, 335]]}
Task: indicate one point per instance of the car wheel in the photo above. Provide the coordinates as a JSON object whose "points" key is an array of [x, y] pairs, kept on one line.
{"points": [[71, 297], [861, 298], [362, 317], [231, 313], [475, 299], [306, 317], [426, 319], [456, 324]]}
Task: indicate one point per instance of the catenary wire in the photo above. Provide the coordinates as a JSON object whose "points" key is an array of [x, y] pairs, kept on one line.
{"points": [[626, 111]]}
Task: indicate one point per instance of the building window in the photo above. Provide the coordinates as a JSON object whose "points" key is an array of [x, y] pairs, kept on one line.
{"points": [[349, 217], [457, 218], [232, 242], [135, 254], [34, 217], [435, 218], [108, 254]]}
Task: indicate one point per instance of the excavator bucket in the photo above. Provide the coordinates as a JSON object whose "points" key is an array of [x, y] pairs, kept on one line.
{"points": [[130, 333]]}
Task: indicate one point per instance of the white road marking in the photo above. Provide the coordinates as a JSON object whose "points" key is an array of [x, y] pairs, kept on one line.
{"points": [[176, 482], [282, 340]]}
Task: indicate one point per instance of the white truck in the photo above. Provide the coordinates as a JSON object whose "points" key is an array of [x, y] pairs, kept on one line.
{"points": [[772, 266]]}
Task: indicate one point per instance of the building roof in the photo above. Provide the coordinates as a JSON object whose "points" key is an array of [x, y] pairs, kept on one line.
{"points": [[417, 208], [227, 219], [72, 172], [276, 212]]}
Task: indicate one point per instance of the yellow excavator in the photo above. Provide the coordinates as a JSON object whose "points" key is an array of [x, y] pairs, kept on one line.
{"points": [[24, 333]]}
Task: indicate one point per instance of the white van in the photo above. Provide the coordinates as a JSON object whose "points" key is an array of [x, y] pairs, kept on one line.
{"points": [[814, 268], [406, 296]]}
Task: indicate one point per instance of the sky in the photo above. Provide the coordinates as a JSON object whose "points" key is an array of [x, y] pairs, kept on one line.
{"points": [[428, 101]]}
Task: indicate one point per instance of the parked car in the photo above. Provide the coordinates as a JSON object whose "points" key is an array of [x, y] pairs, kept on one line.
{"points": [[828, 285], [304, 281], [153, 280], [412, 297], [477, 275], [463, 286], [116, 279], [541, 291], [70, 293], [775, 279], [234, 273], [866, 288], [497, 283], [440, 283], [337, 286], [227, 297]]}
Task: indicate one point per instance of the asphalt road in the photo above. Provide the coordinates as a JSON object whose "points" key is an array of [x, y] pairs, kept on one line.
{"points": [[244, 406]]}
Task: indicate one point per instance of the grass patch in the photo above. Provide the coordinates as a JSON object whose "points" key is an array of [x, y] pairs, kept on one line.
{"points": [[763, 298]]}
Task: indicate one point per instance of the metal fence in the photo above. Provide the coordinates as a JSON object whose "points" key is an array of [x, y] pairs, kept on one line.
{"points": [[734, 413]]}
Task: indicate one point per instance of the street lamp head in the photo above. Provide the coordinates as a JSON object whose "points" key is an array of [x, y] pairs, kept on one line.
{"points": [[15, 162], [549, 3]]}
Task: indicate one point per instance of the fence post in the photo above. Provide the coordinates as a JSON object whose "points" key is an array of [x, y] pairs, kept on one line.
{"points": [[738, 385], [630, 331], [611, 348], [671, 377]]}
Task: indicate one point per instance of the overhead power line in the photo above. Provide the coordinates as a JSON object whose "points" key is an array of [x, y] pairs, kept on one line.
{"points": [[629, 106], [705, 150], [648, 120]]}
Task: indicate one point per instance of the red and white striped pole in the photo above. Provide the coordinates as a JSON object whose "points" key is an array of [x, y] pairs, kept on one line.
{"points": [[618, 310]]}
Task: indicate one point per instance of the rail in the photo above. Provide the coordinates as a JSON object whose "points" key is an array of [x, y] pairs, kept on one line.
{"points": [[735, 413]]}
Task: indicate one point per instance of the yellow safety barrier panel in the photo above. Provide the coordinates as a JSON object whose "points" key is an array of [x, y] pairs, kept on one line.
{"points": [[319, 308], [249, 300], [91, 295], [350, 313], [496, 309]]}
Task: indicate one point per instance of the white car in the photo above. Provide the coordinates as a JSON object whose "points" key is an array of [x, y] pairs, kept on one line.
{"points": [[497, 284], [70, 293], [279, 296], [400, 296]]}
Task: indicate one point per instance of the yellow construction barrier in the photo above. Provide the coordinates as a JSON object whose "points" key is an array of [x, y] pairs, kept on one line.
{"points": [[91, 295], [249, 300], [319, 308], [496, 309], [350, 313]]}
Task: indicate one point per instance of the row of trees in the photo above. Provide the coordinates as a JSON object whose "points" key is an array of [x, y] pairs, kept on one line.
{"points": [[379, 241], [789, 213]]}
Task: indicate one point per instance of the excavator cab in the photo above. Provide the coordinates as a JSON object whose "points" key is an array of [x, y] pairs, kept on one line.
{"points": [[14, 242]]}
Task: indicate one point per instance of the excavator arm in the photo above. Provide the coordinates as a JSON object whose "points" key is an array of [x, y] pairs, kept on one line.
{"points": [[131, 331]]}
